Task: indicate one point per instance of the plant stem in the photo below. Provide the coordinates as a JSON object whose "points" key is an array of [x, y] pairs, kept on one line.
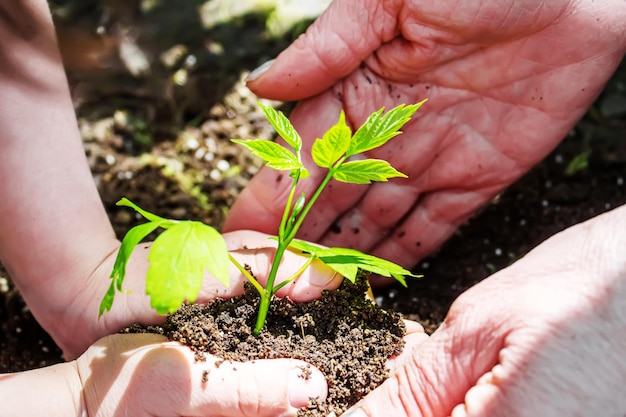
{"points": [[246, 274], [267, 294], [286, 233], [292, 232], [288, 208]]}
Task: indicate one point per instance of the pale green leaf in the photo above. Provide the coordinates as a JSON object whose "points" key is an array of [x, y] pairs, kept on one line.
{"points": [[274, 155], [367, 262], [130, 241], [283, 126], [178, 260], [379, 128], [366, 171], [343, 266], [346, 269], [333, 144], [302, 246], [348, 261]]}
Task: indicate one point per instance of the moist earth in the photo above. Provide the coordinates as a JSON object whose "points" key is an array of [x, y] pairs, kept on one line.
{"points": [[344, 334]]}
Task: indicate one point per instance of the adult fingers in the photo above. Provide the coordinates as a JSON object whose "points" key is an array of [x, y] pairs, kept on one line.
{"points": [[415, 336], [332, 47], [144, 375], [432, 376]]}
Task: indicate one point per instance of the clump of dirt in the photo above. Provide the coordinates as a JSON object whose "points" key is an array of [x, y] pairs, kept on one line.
{"points": [[344, 334]]}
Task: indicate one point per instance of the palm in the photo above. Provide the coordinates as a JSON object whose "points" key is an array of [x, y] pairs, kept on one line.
{"points": [[505, 82]]}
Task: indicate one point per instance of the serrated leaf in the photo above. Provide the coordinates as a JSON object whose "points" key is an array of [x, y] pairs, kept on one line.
{"points": [[333, 144], [302, 246], [274, 155], [178, 259], [130, 241], [368, 263], [366, 171], [347, 261], [379, 128], [283, 126], [107, 301]]}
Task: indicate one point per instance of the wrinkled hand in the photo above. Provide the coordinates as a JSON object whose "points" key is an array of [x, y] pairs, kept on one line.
{"points": [[145, 375], [505, 80], [248, 247], [544, 337]]}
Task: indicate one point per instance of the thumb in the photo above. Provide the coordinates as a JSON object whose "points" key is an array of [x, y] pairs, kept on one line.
{"points": [[266, 387], [432, 377], [144, 374], [332, 47]]}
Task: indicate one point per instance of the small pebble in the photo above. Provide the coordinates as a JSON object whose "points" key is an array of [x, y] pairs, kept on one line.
{"points": [[215, 175], [223, 165]]}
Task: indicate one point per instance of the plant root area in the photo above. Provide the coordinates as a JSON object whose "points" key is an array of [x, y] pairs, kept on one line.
{"points": [[343, 334]]}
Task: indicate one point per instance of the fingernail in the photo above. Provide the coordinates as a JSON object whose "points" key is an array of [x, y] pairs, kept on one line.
{"points": [[260, 70], [356, 412], [306, 382]]}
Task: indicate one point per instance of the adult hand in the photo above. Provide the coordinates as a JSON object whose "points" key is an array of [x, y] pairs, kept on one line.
{"points": [[248, 247], [145, 375], [544, 337], [506, 80]]}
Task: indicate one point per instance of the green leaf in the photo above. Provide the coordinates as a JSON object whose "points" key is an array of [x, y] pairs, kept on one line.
{"points": [[165, 223], [367, 262], [333, 145], [347, 261], [366, 171], [274, 155], [302, 246], [347, 269], [178, 259], [283, 126], [579, 163], [107, 301], [130, 241], [379, 128]]}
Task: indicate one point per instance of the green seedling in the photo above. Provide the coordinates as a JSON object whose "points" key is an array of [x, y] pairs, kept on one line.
{"points": [[182, 253]]}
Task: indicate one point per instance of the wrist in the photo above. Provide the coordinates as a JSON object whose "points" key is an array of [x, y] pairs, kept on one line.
{"points": [[65, 302], [52, 391], [75, 324]]}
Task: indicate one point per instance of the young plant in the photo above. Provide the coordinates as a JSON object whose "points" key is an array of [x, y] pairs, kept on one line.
{"points": [[180, 255]]}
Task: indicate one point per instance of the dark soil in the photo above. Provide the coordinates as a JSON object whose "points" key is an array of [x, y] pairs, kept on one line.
{"points": [[344, 334], [165, 147]]}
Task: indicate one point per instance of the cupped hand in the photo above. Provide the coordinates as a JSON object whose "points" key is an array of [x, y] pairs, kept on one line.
{"points": [[505, 81], [145, 375], [544, 337], [79, 325]]}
